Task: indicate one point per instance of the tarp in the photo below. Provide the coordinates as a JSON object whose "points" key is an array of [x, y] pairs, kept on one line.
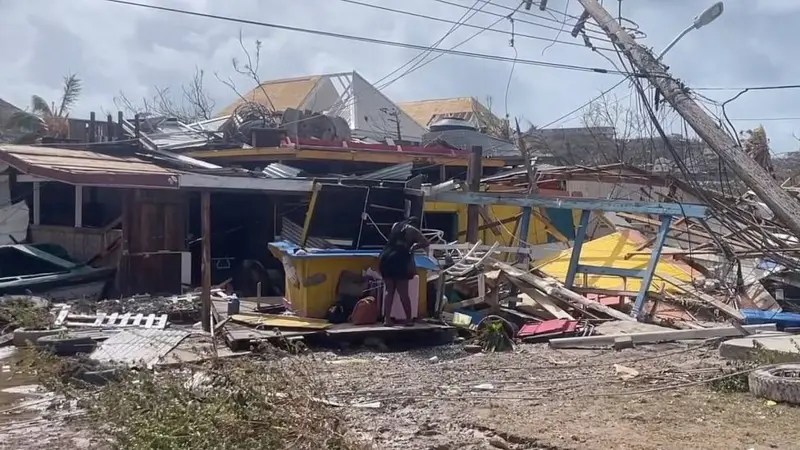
{"points": [[780, 319], [610, 251]]}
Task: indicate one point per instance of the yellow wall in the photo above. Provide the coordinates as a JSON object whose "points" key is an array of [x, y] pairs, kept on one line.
{"points": [[313, 298], [536, 233]]}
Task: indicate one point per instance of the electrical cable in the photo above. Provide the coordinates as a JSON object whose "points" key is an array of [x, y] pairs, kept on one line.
{"points": [[579, 108], [749, 88], [424, 54], [561, 30], [439, 19], [370, 40], [600, 35], [514, 64]]}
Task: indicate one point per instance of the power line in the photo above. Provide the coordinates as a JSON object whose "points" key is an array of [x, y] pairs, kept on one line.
{"points": [[749, 88], [439, 19], [420, 57], [600, 36], [548, 9], [601, 95], [765, 119], [369, 40]]}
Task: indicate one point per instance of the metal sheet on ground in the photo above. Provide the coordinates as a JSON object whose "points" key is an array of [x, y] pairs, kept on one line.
{"points": [[138, 347]]}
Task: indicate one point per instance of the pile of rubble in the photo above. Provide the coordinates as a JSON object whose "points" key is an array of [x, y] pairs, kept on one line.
{"points": [[724, 276]]}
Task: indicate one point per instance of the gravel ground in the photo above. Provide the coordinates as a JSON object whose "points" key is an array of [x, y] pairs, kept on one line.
{"points": [[653, 397]]}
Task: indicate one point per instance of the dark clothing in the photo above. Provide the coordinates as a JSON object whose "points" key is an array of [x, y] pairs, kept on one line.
{"points": [[397, 258], [396, 262]]}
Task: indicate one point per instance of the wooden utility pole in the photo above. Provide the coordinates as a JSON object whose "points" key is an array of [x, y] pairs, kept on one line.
{"points": [[474, 172], [785, 208], [205, 295]]}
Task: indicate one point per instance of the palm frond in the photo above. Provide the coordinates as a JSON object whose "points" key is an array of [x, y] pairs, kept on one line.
{"points": [[72, 89], [26, 121], [40, 107]]}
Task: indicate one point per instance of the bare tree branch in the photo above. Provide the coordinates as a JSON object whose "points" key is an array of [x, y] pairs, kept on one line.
{"points": [[192, 105]]}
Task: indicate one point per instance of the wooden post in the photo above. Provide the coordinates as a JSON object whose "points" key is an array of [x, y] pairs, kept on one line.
{"points": [[525, 225], [92, 128], [78, 206], [205, 213], [37, 202], [474, 172], [120, 130], [786, 208], [109, 128]]}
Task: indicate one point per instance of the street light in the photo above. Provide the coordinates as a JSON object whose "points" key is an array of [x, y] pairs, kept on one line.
{"points": [[705, 18]]}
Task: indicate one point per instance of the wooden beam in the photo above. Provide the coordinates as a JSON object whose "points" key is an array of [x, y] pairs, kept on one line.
{"points": [[592, 204], [555, 289], [205, 296], [78, 206], [655, 337], [474, 172], [37, 203]]}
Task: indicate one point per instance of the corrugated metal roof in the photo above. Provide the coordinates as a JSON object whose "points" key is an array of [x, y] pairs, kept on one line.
{"points": [[278, 170], [87, 167], [138, 347], [398, 172], [293, 233], [466, 139]]}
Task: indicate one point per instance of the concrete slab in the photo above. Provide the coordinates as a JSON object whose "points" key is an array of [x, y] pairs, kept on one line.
{"points": [[768, 348]]}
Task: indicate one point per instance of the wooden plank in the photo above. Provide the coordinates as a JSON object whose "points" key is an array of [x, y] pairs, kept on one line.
{"points": [[138, 319], [162, 322], [536, 297], [99, 320], [62, 315], [728, 310], [150, 319], [654, 337], [112, 319], [555, 289], [123, 321]]}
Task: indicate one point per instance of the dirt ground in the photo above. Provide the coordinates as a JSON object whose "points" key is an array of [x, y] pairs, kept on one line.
{"points": [[652, 397]]}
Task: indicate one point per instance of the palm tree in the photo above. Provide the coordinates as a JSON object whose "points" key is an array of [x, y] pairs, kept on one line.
{"points": [[48, 120]]}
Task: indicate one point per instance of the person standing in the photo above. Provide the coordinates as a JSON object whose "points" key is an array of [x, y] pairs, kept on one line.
{"points": [[397, 266]]}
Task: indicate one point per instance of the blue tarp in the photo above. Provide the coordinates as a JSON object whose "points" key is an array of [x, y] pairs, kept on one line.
{"points": [[780, 319]]}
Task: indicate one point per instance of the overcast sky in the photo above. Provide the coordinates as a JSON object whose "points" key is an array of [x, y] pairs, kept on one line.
{"points": [[114, 47]]}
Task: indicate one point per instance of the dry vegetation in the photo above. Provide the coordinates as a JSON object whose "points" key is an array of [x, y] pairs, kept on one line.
{"points": [[234, 403]]}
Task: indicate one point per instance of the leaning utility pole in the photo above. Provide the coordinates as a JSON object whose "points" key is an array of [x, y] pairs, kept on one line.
{"points": [[785, 208]]}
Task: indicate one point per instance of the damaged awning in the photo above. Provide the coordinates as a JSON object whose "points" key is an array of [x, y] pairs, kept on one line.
{"points": [[92, 168]]}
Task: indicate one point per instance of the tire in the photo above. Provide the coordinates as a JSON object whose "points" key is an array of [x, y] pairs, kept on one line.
{"points": [[67, 345], [779, 383], [27, 338]]}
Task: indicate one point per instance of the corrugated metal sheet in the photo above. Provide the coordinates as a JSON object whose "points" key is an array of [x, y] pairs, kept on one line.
{"points": [[278, 170], [398, 172], [293, 233], [466, 139], [138, 347]]}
